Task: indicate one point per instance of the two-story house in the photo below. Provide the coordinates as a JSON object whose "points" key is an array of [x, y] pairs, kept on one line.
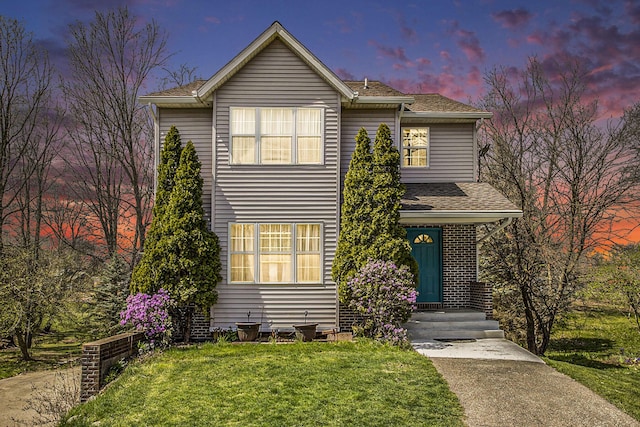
{"points": [[274, 130]]}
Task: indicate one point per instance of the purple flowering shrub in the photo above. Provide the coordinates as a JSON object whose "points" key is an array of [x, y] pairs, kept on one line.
{"points": [[150, 314], [384, 295]]}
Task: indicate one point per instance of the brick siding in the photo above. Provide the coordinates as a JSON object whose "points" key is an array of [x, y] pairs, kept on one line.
{"points": [[99, 356], [482, 298], [458, 272]]}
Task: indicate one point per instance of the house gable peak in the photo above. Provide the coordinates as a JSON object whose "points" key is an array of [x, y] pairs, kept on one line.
{"points": [[275, 31]]}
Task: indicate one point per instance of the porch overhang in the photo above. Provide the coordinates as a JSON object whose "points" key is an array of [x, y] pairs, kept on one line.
{"points": [[438, 217], [455, 203]]}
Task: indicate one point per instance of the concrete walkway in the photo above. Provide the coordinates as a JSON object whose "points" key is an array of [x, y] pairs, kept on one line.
{"points": [[501, 384], [15, 393]]}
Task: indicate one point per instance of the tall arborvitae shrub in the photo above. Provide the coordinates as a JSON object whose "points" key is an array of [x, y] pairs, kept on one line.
{"points": [[188, 253], [390, 238], [145, 274], [355, 216], [110, 298]]}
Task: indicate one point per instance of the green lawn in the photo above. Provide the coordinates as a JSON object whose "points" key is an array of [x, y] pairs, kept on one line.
{"points": [[49, 351], [593, 345], [299, 384]]}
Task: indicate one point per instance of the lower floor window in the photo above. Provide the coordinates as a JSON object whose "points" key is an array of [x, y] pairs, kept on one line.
{"points": [[275, 253]]}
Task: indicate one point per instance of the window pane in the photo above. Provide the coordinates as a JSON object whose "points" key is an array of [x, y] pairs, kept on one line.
{"points": [[309, 122], [415, 142], [276, 121], [308, 266], [242, 268], [243, 150], [275, 268], [308, 238], [243, 121], [275, 237], [309, 150], [275, 149], [242, 238]]}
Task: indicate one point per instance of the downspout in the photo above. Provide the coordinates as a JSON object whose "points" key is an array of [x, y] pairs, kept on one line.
{"points": [[156, 146], [476, 160]]}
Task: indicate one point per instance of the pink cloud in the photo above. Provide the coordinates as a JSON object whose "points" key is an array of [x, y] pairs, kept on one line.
{"points": [[468, 42], [512, 19], [396, 53], [212, 19], [632, 9], [535, 38]]}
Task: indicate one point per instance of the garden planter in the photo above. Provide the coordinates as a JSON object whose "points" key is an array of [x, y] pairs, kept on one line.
{"points": [[248, 331], [306, 331]]}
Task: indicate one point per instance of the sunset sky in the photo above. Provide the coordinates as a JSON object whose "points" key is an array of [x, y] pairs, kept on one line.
{"points": [[414, 46]]}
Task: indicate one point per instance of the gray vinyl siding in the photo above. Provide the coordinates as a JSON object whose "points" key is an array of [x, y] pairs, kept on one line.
{"points": [[450, 155], [450, 152], [276, 193], [194, 124], [352, 121]]}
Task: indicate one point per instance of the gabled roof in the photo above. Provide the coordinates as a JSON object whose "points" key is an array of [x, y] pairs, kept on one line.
{"points": [[275, 31], [355, 94], [463, 202]]}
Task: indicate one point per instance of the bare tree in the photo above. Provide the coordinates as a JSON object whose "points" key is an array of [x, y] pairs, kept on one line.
{"points": [[35, 169], [26, 74], [111, 59], [179, 77], [570, 177]]}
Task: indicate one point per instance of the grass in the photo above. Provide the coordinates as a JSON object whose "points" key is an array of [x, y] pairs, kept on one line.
{"points": [[49, 351], [592, 345], [299, 384]]}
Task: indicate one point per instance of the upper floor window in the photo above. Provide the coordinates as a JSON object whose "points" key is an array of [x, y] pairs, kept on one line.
{"points": [[277, 136], [415, 147]]}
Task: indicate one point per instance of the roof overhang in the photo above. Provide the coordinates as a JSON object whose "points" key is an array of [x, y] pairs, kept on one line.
{"points": [[173, 101], [475, 115], [435, 217]]}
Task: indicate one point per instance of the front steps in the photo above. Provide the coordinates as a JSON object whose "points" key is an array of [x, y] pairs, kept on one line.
{"points": [[451, 325]]}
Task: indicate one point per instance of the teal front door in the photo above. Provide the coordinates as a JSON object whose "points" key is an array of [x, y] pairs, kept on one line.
{"points": [[426, 248]]}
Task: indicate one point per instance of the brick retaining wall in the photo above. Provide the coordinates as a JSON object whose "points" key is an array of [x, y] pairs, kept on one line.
{"points": [[99, 356]]}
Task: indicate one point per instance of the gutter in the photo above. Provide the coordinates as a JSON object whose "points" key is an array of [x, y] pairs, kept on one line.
{"points": [[449, 114]]}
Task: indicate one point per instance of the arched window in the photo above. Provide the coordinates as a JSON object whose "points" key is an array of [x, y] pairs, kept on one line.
{"points": [[423, 238]]}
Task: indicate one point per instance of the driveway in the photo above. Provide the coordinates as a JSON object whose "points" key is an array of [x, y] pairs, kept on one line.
{"points": [[16, 392], [501, 384]]}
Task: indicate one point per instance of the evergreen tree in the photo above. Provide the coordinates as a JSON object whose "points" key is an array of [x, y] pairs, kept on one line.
{"points": [[110, 298], [390, 238], [355, 219], [145, 274], [188, 253]]}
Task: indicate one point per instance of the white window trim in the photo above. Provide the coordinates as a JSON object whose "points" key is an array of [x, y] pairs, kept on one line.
{"points": [[428, 148], [256, 253], [294, 140]]}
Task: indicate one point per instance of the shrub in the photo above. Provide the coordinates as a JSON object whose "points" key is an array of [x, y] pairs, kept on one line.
{"points": [[150, 314], [384, 295]]}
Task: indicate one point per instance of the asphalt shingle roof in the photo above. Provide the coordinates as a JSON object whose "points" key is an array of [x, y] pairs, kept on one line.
{"points": [[434, 102], [431, 102], [464, 196], [185, 90], [374, 88]]}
